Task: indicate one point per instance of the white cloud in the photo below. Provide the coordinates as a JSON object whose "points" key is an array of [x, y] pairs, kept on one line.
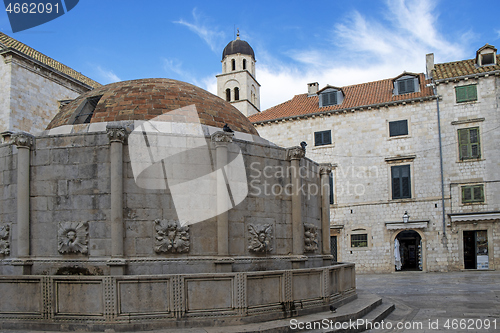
{"points": [[362, 49], [107, 76], [211, 36], [175, 66]]}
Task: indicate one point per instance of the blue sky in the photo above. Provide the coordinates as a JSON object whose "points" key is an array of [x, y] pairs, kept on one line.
{"points": [[295, 42]]}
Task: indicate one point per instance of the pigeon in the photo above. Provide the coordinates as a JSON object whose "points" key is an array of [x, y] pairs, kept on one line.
{"points": [[226, 128], [303, 144], [333, 309]]}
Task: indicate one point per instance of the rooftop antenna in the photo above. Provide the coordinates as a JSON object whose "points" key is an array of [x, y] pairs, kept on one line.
{"points": [[234, 32]]}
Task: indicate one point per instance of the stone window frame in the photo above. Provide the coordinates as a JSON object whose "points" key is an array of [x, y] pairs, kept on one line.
{"points": [[400, 136], [360, 231], [323, 144], [482, 201], [399, 161]]}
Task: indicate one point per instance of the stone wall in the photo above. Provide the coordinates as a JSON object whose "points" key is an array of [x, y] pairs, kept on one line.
{"points": [[70, 190], [364, 153], [169, 301]]}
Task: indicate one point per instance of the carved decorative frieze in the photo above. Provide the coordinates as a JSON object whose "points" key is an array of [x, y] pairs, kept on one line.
{"points": [[310, 238], [171, 237], [23, 140], [116, 133], [325, 168], [222, 138], [5, 239], [296, 153], [260, 238], [73, 237]]}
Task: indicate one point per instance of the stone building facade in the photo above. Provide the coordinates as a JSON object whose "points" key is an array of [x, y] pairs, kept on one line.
{"points": [[387, 147], [33, 87]]}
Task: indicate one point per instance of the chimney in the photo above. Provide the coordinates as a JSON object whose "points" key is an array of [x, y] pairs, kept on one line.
{"points": [[429, 64], [312, 89]]}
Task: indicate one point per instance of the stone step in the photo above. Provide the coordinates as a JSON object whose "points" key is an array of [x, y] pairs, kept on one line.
{"points": [[361, 307]]}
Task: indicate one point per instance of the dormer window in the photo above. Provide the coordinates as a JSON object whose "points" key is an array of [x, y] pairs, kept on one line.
{"points": [[330, 96], [86, 111], [487, 59], [486, 56], [406, 84]]}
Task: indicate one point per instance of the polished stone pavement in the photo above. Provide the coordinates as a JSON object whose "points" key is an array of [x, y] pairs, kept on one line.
{"points": [[470, 296]]}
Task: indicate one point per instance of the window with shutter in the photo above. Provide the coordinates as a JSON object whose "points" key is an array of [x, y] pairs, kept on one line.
{"points": [[329, 98], [473, 194], [469, 145], [397, 128], [323, 138], [466, 93], [406, 85], [401, 183]]}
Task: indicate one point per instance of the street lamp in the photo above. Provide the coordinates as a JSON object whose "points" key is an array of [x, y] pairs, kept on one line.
{"points": [[406, 217]]}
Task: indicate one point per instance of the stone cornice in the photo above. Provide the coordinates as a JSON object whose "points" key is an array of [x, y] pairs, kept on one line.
{"points": [[23, 140], [221, 138], [116, 133]]}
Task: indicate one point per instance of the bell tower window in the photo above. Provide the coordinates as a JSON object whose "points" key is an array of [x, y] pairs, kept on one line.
{"points": [[228, 94], [236, 94], [244, 64], [233, 65]]}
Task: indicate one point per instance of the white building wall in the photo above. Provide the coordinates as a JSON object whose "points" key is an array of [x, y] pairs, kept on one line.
{"points": [[34, 99], [5, 78], [362, 177]]}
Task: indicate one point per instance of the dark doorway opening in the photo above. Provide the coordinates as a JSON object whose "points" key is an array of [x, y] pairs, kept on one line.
{"points": [[410, 250], [476, 249], [333, 247]]}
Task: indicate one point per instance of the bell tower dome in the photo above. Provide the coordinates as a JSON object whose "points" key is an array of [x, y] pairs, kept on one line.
{"points": [[238, 84]]}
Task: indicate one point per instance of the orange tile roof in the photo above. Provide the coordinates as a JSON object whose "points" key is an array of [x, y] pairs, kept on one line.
{"points": [[355, 96], [32, 53], [461, 68]]}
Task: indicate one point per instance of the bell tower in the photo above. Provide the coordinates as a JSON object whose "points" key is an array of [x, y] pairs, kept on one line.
{"points": [[237, 83]]}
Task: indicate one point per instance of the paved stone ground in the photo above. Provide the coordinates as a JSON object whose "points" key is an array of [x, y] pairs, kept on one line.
{"points": [[472, 297]]}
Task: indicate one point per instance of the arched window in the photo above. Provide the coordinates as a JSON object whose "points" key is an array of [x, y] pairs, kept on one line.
{"points": [[236, 94], [228, 94], [244, 64], [233, 64]]}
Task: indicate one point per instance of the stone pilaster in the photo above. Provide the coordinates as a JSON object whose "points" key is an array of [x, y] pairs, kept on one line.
{"points": [[221, 141], [24, 143], [295, 154], [325, 170], [117, 136]]}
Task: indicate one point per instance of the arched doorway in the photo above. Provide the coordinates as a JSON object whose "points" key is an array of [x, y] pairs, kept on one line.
{"points": [[410, 250]]}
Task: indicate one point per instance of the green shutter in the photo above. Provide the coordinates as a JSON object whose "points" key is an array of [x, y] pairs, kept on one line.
{"points": [[466, 93], [472, 93], [472, 194], [468, 142]]}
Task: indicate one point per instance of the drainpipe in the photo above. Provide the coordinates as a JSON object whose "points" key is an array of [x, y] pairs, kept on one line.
{"points": [[440, 159]]}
